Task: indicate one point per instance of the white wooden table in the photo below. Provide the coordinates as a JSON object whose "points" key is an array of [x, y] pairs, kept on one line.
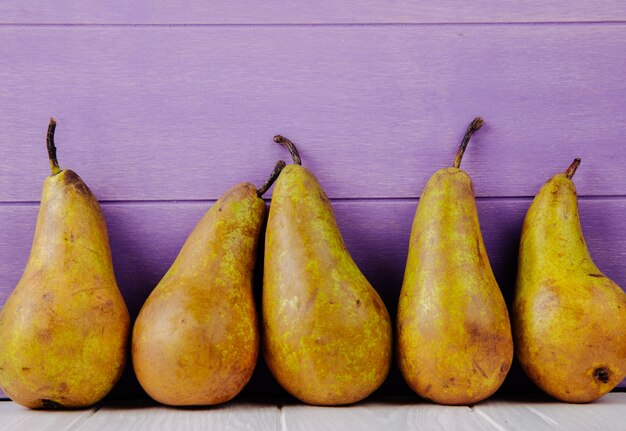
{"points": [[609, 413]]}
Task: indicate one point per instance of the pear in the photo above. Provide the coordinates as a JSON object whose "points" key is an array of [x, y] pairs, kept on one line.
{"points": [[569, 319], [196, 339], [454, 336], [326, 332], [64, 329]]}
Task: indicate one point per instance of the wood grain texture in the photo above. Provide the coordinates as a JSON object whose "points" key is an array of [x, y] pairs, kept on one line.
{"points": [[323, 11], [376, 416], [178, 113], [607, 413], [14, 417], [145, 415]]}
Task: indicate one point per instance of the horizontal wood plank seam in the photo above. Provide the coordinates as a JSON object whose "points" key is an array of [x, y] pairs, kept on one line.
{"points": [[355, 199], [321, 24]]}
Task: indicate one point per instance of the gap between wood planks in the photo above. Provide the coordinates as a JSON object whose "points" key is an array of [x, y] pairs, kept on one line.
{"points": [[338, 199], [85, 418], [320, 24]]}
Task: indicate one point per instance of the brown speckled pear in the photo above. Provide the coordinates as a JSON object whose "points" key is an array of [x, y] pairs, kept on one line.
{"points": [[326, 332], [196, 339], [454, 336], [64, 329], [569, 319]]}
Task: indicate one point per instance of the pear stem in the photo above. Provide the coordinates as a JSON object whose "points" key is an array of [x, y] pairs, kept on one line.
{"points": [[474, 126], [52, 149], [569, 172], [290, 146], [275, 173]]}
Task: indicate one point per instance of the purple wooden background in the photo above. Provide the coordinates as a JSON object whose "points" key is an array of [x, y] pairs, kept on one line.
{"points": [[162, 108]]}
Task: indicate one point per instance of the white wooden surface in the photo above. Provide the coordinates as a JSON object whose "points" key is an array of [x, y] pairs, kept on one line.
{"points": [[609, 413], [16, 417]]}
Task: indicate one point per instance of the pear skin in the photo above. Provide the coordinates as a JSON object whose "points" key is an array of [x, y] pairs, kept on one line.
{"points": [[569, 319], [196, 339], [327, 334], [64, 329], [454, 336]]}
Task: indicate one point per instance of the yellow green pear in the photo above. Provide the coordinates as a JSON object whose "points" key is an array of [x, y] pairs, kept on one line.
{"points": [[327, 334], [196, 339], [454, 336], [569, 319], [64, 329]]}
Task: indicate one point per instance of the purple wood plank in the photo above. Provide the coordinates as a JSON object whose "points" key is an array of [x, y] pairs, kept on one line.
{"points": [[312, 12], [176, 113], [146, 237]]}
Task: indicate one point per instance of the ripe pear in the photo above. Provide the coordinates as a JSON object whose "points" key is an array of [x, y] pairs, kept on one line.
{"points": [[569, 319], [196, 339], [454, 336], [327, 333], [64, 329]]}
